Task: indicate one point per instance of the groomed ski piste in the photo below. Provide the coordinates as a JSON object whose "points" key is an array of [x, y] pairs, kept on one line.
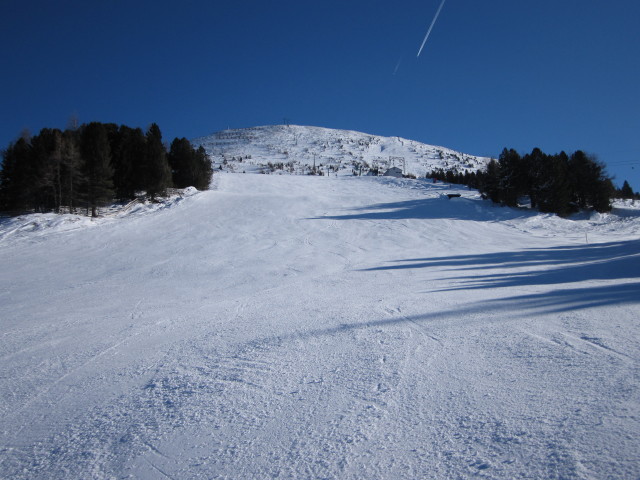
{"points": [[303, 327]]}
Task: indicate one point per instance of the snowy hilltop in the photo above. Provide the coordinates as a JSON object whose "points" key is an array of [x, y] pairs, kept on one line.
{"points": [[297, 149]]}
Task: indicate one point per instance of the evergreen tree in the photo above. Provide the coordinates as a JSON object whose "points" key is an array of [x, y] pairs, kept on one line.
{"points": [[204, 169], [71, 174], [6, 178], [582, 178], [97, 169], [592, 187], [54, 169], [555, 192], [512, 177], [626, 191], [14, 177], [128, 153], [490, 182], [189, 167], [44, 170], [537, 175], [56, 164], [157, 175], [601, 195], [182, 161]]}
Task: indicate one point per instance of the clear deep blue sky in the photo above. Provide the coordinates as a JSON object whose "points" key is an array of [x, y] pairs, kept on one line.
{"points": [[553, 74]]}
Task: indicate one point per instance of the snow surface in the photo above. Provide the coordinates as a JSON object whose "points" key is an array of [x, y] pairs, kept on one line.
{"points": [[252, 149], [315, 327]]}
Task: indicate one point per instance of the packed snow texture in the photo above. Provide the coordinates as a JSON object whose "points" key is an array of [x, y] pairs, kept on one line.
{"points": [[321, 327], [294, 147]]}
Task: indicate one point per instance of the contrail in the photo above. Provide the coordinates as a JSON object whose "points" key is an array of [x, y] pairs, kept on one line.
{"points": [[431, 27], [397, 66]]}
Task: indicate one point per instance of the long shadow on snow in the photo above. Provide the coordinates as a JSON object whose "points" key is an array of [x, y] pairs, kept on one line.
{"points": [[549, 266], [489, 311], [432, 208]]}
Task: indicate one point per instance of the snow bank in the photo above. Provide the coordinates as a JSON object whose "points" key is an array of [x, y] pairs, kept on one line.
{"points": [[33, 226]]}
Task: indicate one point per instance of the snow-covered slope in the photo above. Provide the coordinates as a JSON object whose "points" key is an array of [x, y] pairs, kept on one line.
{"points": [[321, 327], [291, 148]]}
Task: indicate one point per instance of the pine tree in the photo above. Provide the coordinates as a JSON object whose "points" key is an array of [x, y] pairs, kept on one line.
{"points": [[626, 191], [537, 175], [490, 182], [71, 177], [46, 170], [157, 175], [182, 162], [592, 187], [601, 195], [97, 169], [582, 177], [128, 153], [204, 169], [14, 178], [512, 177], [555, 193], [54, 170]]}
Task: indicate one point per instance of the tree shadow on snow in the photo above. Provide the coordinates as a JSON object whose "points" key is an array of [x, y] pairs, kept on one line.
{"points": [[489, 311], [433, 208], [565, 300], [542, 267], [614, 261], [536, 266]]}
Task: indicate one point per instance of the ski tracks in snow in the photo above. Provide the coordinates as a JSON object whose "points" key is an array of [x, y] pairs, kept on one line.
{"points": [[126, 335], [266, 347], [400, 416]]}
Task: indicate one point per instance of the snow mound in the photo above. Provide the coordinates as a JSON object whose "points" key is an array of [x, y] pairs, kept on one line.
{"points": [[624, 219], [33, 226], [189, 191], [38, 223]]}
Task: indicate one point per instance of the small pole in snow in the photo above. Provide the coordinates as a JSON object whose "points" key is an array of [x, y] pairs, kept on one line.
{"points": [[586, 239]]}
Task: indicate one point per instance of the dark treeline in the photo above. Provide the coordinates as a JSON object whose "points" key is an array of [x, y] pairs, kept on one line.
{"points": [[84, 168], [560, 183]]}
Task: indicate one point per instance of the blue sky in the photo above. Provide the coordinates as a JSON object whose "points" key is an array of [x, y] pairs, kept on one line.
{"points": [[553, 74]]}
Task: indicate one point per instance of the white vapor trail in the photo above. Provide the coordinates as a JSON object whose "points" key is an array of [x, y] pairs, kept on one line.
{"points": [[397, 66], [431, 27]]}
